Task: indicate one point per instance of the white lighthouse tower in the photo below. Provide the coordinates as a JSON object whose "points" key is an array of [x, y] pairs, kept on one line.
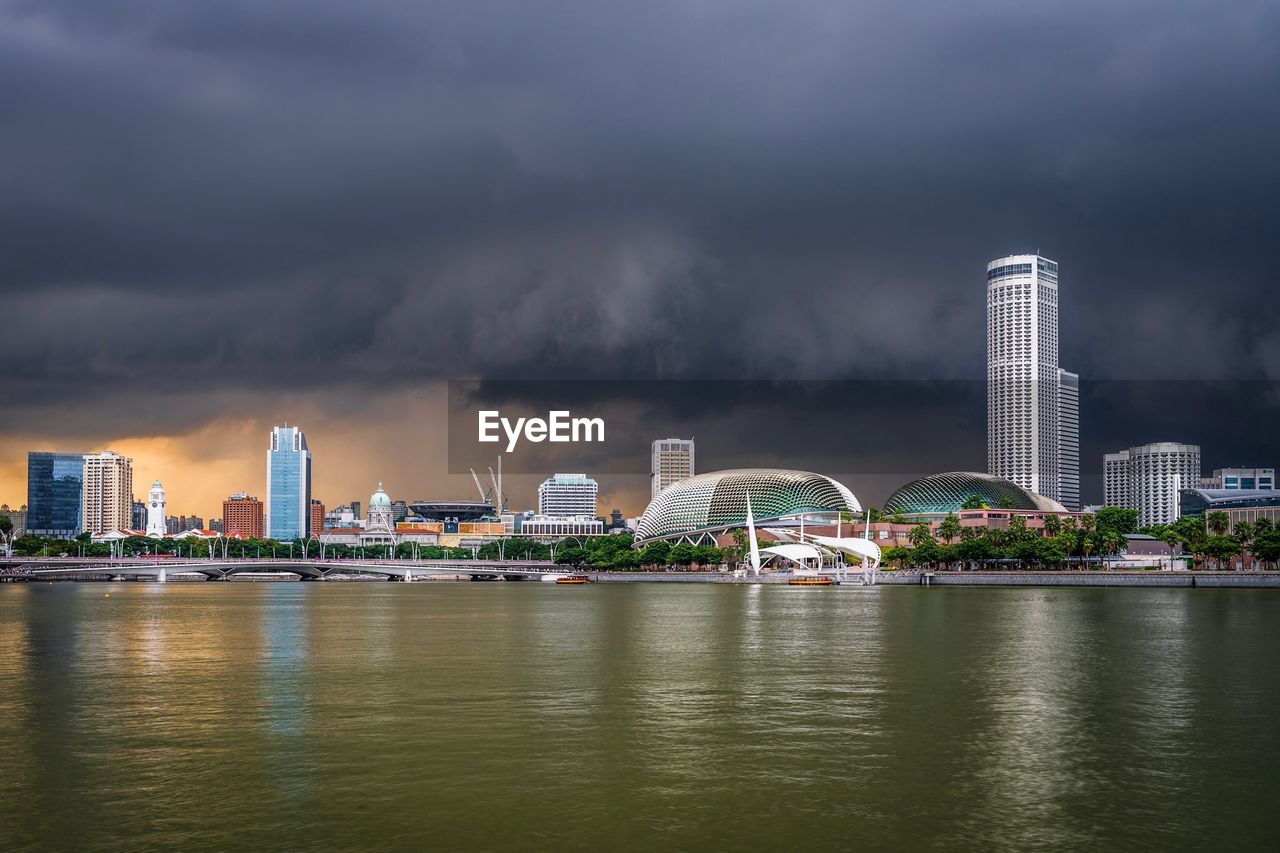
{"points": [[155, 511]]}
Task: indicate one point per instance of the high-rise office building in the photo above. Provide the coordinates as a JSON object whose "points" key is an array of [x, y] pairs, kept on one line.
{"points": [[1240, 479], [1023, 387], [155, 511], [1149, 479], [670, 461], [1069, 439], [107, 496], [288, 507], [568, 495], [317, 516], [242, 514], [55, 483]]}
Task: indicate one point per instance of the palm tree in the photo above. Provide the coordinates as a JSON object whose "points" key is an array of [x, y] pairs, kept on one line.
{"points": [[1244, 534], [949, 528], [1052, 525], [1111, 542], [1087, 546], [1218, 522], [920, 534]]}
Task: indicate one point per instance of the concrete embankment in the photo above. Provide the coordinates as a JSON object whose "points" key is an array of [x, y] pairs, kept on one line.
{"points": [[1215, 580]]}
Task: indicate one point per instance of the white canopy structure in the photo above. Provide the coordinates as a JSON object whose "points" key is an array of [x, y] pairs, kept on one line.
{"points": [[796, 552], [800, 546], [864, 549]]}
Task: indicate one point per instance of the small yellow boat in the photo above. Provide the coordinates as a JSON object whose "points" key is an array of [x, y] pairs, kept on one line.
{"points": [[811, 580], [574, 579]]}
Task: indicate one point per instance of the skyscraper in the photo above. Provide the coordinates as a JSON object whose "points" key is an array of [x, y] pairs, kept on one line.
{"points": [[1115, 479], [55, 483], [107, 497], [288, 507], [566, 495], [1024, 405], [155, 511], [670, 461], [1150, 477], [1069, 439]]}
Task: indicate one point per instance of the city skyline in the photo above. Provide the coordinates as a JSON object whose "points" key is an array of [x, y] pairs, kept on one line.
{"points": [[227, 458], [712, 215]]}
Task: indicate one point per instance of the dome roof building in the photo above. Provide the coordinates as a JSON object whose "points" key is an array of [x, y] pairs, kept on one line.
{"points": [[946, 493], [379, 520], [700, 507]]}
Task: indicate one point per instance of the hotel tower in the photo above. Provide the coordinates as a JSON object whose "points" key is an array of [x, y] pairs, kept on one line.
{"points": [[1032, 405]]}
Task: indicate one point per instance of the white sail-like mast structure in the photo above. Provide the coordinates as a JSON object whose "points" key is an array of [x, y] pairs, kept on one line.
{"points": [[751, 534]]}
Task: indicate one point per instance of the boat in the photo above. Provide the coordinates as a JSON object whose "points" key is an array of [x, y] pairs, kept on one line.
{"points": [[574, 579], [811, 580]]}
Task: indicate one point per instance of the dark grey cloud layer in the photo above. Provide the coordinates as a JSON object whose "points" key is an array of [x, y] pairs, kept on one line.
{"points": [[272, 197]]}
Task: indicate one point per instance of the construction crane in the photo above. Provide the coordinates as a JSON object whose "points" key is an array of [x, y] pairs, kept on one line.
{"points": [[495, 497]]}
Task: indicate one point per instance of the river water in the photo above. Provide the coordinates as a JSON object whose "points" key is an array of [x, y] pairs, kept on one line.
{"points": [[365, 716]]}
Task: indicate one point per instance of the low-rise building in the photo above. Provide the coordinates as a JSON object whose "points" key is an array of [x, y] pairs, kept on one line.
{"points": [[559, 527], [1238, 504], [1241, 479]]}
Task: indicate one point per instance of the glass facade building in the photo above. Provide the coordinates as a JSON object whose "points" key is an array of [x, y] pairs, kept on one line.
{"points": [[288, 506], [697, 508], [947, 493], [55, 488]]}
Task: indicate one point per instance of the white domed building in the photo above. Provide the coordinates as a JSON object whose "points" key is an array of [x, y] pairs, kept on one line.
{"points": [[379, 528], [379, 525]]}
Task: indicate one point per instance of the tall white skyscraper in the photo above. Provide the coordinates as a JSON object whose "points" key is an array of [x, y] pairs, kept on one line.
{"points": [[288, 507], [155, 511], [1150, 478], [1069, 439], [1115, 479], [107, 499], [670, 461], [1024, 406], [568, 495]]}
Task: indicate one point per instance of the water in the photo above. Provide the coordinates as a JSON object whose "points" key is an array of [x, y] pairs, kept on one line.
{"points": [[636, 717]]}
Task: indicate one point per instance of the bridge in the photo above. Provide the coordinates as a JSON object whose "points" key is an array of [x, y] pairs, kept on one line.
{"points": [[56, 568]]}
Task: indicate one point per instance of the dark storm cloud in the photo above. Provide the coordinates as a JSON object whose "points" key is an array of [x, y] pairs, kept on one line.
{"points": [[273, 197]]}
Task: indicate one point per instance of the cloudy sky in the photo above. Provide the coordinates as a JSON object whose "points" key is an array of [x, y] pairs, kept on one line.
{"points": [[216, 216]]}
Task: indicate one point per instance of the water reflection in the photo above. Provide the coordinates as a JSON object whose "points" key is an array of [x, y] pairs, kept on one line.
{"points": [[260, 716]]}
